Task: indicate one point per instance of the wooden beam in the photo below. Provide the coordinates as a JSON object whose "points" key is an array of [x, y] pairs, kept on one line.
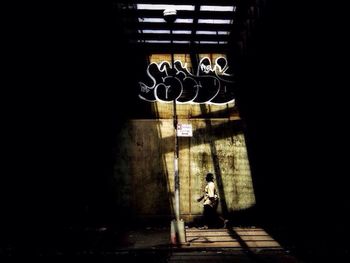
{"points": [[180, 14], [164, 26], [180, 37], [179, 2]]}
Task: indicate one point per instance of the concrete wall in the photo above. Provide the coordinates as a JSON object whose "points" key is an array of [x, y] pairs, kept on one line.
{"points": [[144, 170]]}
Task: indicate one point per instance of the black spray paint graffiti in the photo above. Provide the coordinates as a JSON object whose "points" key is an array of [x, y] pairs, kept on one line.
{"points": [[211, 84]]}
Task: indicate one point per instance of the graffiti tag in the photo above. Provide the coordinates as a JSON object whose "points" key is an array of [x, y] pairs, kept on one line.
{"points": [[211, 84]]}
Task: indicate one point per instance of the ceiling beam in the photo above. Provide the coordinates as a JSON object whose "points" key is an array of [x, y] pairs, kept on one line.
{"points": [[181, 14], [181, 37], [178, 2], [180, 48], [164, 26]]}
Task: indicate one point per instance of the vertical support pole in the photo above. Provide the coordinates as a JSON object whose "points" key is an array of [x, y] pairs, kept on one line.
{"points": [[177, 231], [176, 144], [176, 168]]}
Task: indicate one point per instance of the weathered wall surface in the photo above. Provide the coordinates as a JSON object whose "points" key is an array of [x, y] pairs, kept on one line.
{"points": [[144, 170]]}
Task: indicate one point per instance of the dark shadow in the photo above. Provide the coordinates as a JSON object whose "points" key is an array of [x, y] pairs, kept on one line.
{"points": [[163, 160], [206, 240], [223, 113], [246, 249], [216, 165]]}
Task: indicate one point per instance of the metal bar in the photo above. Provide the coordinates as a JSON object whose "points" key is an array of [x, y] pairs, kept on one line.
{"points": [[176, 147]]}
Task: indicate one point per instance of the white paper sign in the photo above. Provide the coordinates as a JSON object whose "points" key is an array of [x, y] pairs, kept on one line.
{"points": [[184, 130]]}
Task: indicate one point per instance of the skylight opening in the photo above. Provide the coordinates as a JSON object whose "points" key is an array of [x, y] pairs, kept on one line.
{"points": [[157, 41], [151, 20], [150, 31], [161, 20], [207, 42], [215, 21], [181, 42], [206, 32], [185, 32], [218, 8], [212, 42], [163, 7], [184, 20]]}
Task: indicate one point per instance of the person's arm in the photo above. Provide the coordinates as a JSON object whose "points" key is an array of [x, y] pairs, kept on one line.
{"points": [[200, 198]]}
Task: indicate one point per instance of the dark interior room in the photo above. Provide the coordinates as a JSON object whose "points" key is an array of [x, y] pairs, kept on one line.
{"points": [[75, 87]]}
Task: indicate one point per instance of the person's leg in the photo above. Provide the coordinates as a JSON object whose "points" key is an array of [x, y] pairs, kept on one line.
{"points": [[224, 222], [207, 215], [212, 217]]}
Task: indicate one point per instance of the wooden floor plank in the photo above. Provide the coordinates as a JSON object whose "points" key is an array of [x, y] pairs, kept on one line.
{"points": [[250, 245], [244, 238]]}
